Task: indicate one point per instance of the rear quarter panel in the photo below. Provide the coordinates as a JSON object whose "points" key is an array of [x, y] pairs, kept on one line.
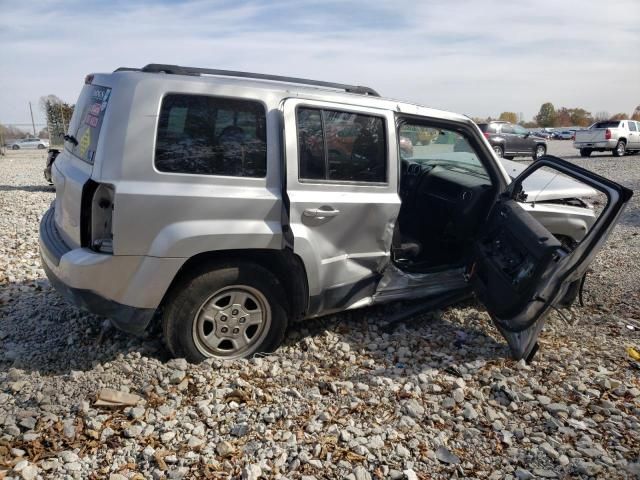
{"points": [[180, 215]]}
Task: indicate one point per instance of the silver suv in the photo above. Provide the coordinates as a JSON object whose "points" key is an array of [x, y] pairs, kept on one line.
{"points": [[231, 204]]}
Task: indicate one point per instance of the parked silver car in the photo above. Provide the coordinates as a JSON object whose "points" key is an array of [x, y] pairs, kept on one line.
{"points": [[38, 143], [232, 204], [615, 136]]}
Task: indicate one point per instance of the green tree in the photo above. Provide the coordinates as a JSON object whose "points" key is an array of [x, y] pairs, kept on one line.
{"points": [[619, 116], [509, 117], [547, 115], [58, 116]]}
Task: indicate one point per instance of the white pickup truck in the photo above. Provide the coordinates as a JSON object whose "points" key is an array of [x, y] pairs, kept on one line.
{"points": [[616, 136]]}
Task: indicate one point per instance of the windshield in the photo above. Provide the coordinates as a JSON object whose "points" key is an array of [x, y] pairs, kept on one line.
{"points": [[438, 146]]}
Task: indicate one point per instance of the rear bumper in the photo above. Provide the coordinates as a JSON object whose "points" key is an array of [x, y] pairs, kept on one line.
{"points": [[605, 145], [130, 319], [128, 289]]}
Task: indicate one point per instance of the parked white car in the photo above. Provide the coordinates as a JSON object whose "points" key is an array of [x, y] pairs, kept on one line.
{"points": [[38, 143], [615, 136]]}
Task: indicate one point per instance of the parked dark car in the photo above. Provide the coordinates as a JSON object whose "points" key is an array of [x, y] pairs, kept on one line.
{"points": [[509, 140]]}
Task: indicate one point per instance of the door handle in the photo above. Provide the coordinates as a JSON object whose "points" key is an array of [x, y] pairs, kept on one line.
{"points": [[319, 212]]}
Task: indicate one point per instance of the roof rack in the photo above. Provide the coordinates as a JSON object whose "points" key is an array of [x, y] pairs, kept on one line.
{"points": [[180, 70]]}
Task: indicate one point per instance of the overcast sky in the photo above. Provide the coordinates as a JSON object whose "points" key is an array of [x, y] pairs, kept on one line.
{"points": [[474, 57]]}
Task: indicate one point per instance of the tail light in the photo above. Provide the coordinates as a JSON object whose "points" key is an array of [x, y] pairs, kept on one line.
{"points": [[486, 134], [97, 216], [607, 134]]}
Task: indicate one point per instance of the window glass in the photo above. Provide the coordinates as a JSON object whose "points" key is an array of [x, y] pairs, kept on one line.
{"points": [[86, 121], [341, 146], [520, 130], [506, 128], [438, 146], [632, 126], [211, 136]]}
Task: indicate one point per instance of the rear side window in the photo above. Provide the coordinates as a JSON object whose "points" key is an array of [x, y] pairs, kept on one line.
{"points": [[506, 128], [211, 136], [341, 146], [86, 122]]}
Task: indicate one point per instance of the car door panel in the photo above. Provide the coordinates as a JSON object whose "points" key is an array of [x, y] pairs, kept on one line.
{"points": [[521, 271], [342, 230]]}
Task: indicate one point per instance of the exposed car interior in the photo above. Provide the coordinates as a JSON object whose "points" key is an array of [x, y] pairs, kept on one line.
{"points": [[446, 194]]}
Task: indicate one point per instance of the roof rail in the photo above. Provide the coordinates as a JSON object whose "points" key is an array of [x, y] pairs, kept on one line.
{"points": [[180, 70]]}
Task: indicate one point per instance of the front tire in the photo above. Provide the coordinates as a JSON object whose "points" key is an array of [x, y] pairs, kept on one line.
{"points": [[540, 151], [620, 149], [41, 146], [15, 147], [225, 311], [585, 152], [499, 151]]}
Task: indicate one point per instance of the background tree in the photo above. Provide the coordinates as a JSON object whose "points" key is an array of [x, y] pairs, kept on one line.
{"points": [[563, 117], [580, 117], [547, 115], [508, 117], [9, 132], [602, 115], [619, 116], [636, 114], [58, 115]]}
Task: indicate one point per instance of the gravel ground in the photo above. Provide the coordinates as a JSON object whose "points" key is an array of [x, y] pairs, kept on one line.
{"points": [[344, 397]]}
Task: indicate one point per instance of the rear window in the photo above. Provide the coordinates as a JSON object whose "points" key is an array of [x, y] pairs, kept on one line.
{"points": [[211, 136], [86, 122], [606, 125]]}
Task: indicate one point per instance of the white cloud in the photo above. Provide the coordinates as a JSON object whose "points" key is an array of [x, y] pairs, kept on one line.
{"points": [[477, 58]]}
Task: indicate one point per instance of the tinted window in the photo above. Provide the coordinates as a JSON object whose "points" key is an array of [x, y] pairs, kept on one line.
{"points": [[211, 136], [632, 126], [342, 146], [520, 130], [506, 128], [609, 124]]}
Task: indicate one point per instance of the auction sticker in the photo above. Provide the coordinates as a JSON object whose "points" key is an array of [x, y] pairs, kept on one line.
{"points": [[85, 141]]}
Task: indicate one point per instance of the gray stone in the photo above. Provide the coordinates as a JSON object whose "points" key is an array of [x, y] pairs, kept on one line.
{"points": [[522, 474], [409, 474], [413, 408], [446, 456], [30, 472], [251, 472]]}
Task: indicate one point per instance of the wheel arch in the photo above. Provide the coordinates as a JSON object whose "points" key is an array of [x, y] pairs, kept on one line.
{"points": [[284, 264]]}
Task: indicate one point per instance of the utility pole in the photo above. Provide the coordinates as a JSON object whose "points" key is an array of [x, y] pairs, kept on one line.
{"points": [[33, 124]]}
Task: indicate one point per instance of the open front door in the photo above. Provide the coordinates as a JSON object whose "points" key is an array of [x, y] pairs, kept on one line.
{"points": [[521, 270]]}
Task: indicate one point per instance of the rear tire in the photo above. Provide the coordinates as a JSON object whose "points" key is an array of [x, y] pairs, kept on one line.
{"points": [[498, 150], [41, 146], [585, 152], [15, 147], [620, 149], [540, 151], [200, 322]]}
